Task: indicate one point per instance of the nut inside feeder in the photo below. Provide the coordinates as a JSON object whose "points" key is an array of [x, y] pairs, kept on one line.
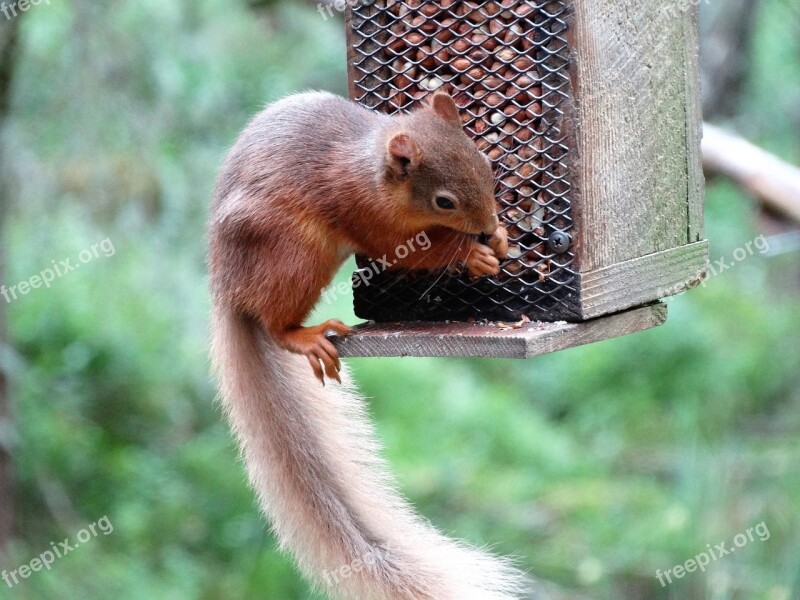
{"points": [[506, 64], [590, 114]]}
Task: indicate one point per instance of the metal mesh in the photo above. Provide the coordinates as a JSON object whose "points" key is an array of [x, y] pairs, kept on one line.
{"points": [[506, 63]]}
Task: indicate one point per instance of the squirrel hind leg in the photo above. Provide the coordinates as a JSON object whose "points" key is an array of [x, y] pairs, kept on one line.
{"points": [[312, 342]]}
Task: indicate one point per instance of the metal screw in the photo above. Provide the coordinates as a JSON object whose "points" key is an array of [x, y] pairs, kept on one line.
{"points": [[559, 242]]}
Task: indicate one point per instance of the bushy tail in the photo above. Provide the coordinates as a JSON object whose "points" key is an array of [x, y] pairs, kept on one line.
{"points": [[312, 457]]}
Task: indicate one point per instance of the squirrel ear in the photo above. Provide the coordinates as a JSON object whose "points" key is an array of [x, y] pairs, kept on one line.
{"points": [[403, 154], [444, 106]]}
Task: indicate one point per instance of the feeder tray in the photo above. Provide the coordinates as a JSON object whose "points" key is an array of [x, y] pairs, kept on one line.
{"points": [[589, 112], [519, 340]]}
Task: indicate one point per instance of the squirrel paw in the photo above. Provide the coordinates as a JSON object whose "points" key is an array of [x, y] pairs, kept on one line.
{"points": [[317, 348], [482, 261], [498, 242]]}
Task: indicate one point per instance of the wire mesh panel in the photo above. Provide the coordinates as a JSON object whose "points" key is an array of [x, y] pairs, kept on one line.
{"points": [[506, 63]]}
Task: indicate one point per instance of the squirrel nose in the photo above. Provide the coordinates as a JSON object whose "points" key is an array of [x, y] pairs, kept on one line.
{"points": [[494, 222]]}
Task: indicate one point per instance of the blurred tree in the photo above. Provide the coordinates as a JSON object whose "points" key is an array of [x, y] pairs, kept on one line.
{"points": [[725, 37], [8, 45]]}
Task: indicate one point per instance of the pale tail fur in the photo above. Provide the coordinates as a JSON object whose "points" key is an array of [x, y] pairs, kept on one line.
{"points": [[312, 458]]}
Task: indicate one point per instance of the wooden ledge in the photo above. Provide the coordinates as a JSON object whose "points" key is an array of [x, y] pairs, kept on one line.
{"points": [[491, 340]]}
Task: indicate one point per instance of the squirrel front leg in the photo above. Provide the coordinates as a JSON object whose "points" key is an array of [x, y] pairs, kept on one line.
{"points": [[447, 247], [282, 306]]}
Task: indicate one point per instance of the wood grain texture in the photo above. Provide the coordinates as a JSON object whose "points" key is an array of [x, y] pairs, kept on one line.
{"points": [[630, 72], [643, 280], [490, 341], [694, 128]]}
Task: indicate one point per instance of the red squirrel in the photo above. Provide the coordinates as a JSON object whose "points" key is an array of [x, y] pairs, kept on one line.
{"points": [[312, 179]]}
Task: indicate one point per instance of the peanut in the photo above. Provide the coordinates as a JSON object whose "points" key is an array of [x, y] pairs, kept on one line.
{"points": [[484, 53], [461, 64], [495, 153]]}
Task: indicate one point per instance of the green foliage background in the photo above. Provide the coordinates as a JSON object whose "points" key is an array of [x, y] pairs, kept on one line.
{"points": [[596, 466]]}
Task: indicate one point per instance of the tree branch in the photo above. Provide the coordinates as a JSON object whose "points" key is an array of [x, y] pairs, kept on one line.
{"points": [[774, 182]]}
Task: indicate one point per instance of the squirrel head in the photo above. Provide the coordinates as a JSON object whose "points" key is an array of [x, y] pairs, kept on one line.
{"points": [[434, 168]]}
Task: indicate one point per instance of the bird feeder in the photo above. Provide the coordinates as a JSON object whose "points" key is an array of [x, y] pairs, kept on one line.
{"points": [[588, 110]]}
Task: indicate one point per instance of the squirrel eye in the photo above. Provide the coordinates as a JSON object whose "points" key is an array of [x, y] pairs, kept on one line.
{"points": [[445, 203]]}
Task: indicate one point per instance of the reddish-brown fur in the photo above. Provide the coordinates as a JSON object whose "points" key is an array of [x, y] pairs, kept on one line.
{"points": [[312, 179]]}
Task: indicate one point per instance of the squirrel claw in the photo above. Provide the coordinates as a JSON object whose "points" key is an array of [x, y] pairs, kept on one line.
{"points": [[314, 362], [317, 348], [323, 355]]}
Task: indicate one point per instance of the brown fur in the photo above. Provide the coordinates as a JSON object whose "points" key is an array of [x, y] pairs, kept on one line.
{"points": [[312, 179]]}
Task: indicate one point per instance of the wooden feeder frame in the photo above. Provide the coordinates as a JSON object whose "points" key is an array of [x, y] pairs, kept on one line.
{"points": [[589, 111]]}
